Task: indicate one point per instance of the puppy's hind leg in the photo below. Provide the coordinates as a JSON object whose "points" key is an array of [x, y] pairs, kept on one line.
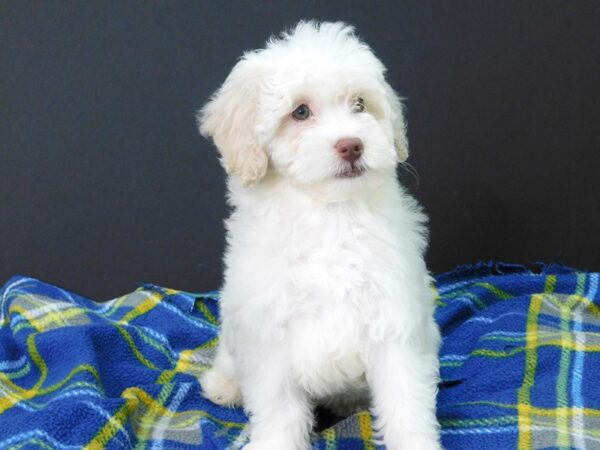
{"points": [[219, 383]]}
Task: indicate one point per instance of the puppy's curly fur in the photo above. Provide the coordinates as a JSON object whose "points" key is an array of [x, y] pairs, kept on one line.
{"points": [[326, 293]]}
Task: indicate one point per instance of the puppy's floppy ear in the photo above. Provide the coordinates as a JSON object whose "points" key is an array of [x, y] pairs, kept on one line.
{"points": [[230, 119], [395, 112]]}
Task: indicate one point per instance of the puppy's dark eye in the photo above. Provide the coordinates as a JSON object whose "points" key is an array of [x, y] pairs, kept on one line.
{"points": [[359, 105], [302, 112]]}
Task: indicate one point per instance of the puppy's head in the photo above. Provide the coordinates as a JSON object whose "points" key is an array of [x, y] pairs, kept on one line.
{"points": [[313, 106]]}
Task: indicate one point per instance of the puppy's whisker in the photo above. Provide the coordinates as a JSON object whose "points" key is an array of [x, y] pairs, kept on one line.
{"points": [[407, 167]]}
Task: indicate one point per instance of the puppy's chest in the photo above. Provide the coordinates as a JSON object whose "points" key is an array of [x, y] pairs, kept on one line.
{"points": [[337, 261], [336, 270], [331, 271]]}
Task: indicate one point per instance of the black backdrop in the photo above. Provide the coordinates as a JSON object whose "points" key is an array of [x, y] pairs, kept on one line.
{"points": [[104, 181]]}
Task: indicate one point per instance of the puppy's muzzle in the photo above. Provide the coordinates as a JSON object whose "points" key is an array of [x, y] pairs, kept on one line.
{"points": [[349, 149]]}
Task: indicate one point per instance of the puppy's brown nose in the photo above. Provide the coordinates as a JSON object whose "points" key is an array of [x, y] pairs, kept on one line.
{"points": [[349, 148]]}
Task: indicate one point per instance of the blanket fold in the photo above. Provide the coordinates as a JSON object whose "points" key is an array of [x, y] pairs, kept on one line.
{"points": [[519, 365]]}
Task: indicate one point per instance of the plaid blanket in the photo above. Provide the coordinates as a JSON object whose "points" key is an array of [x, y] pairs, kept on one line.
{"points": [[520, 361]]}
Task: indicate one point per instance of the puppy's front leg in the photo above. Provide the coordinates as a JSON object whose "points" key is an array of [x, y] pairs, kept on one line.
{"points": [[403, 380], [280, 412]]}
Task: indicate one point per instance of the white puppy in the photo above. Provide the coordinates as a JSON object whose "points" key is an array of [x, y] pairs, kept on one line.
{"points": [[326, 291]]}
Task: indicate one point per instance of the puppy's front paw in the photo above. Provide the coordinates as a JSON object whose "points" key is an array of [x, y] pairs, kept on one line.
{"points": [[414, 442], [272, 445], [220, 389], [258, 446]]}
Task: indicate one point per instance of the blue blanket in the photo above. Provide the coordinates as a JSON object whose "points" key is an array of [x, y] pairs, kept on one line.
{"points": [[520, 365]]}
